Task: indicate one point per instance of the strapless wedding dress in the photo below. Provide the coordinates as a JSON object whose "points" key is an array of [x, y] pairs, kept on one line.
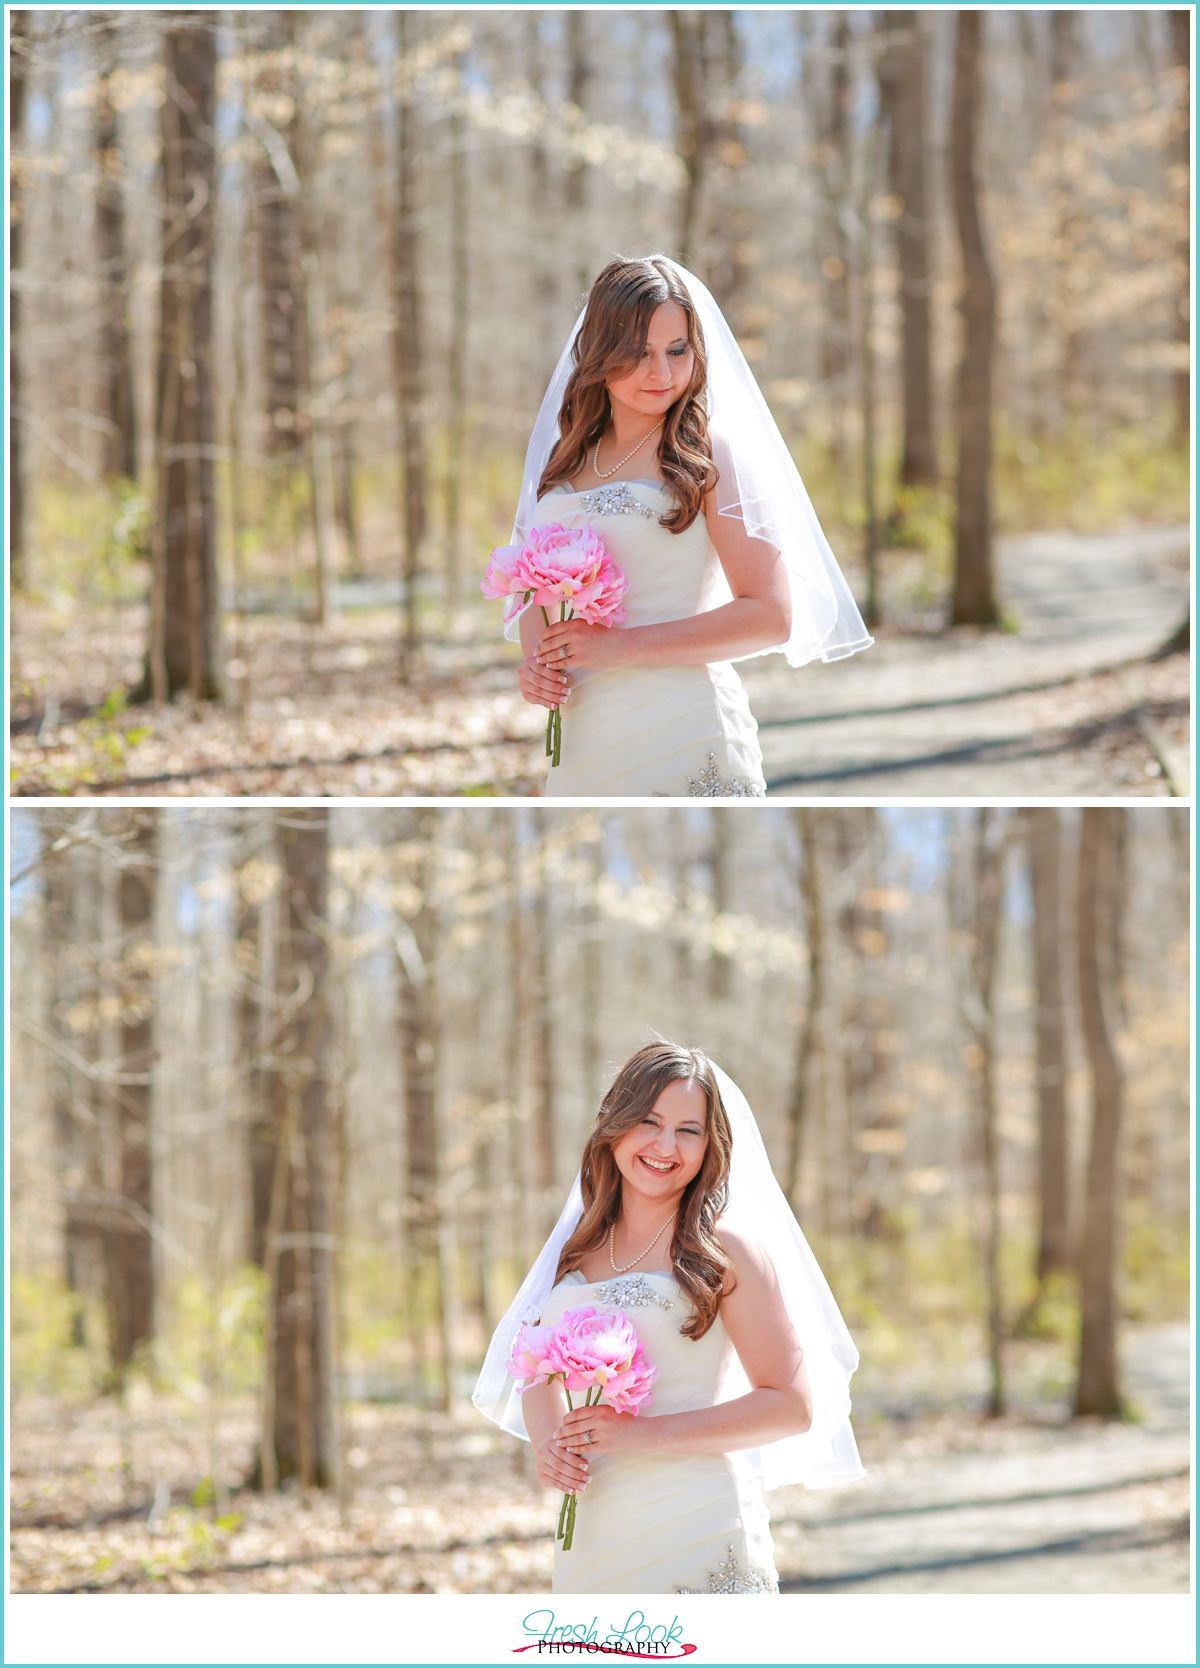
{"points": [[678, 731], [665, 1523]]}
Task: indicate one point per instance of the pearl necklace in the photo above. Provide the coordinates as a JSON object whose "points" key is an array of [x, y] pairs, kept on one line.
{"points": [[607, 474], [612, 1235]]}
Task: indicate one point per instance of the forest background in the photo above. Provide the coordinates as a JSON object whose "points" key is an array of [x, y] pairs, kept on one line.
{"points": [[296, 1095], [288, 286]]}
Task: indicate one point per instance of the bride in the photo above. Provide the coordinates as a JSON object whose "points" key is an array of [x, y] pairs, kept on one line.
{"points": [[653, 432], [753, 1358]]}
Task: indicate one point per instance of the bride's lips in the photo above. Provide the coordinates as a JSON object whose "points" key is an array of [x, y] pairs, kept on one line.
{"points": [[662, 1168]]}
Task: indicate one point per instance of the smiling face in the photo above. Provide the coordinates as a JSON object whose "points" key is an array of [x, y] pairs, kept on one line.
{"points": [[663, 373], [660, 1155]]}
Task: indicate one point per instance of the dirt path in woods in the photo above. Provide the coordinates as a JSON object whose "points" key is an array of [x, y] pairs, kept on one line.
{"points": [[1084, 1507], [951, 1503], [1064, 704], [1067, 704]]}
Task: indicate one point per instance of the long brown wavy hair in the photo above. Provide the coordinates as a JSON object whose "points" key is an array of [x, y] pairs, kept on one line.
{"points": [[611, 340], [699, 1263]]}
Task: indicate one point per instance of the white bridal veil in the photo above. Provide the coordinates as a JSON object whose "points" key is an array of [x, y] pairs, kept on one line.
{"points": [[759, 485], [825, 1454]]}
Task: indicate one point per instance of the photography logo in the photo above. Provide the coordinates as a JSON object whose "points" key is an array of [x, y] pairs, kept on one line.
{"points": [[639, 1637]]}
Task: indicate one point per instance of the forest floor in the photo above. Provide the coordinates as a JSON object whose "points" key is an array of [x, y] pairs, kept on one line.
{"points": [[1064, 701], [110, 1502]]}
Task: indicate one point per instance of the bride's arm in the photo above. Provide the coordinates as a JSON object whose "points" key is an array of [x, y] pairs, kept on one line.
{"points": [[759, 617], [780, 1403], [543, 1406]]}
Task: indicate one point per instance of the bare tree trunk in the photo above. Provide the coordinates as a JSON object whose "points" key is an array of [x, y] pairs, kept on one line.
{"points": [[544, 1084], [721, 861], [74, 1121], [317, 426], [416, 946], [831, 105], [185, 627], [298, 1437], [542, 208], [1053, 1240], [408, 340], [903, 97], [1097, 1389], [981, 1021], [128, 1247], [120, 441], [579, 74], [808, 1049], [460, 321], [255, 951], [733, 218], [1181, 159], [974, 601], [276, 187], [18, 77], [866, 266], [694, 130]]}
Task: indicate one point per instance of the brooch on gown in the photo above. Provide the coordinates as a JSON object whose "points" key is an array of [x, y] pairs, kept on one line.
{"points": [[713, 786], [615, 500], [632, 1291], [730, 1577]]}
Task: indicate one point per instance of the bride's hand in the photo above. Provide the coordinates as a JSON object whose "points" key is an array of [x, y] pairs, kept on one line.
{"points": [[611, 1432], [559, 1468], [586, 645], [542, 687]]}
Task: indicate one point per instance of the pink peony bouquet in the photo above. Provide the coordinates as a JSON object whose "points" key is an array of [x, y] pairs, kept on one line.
{"points": [[565, 565], [596, 1353]]}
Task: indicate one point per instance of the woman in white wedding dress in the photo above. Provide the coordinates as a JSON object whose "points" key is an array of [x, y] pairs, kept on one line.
{"points": [[676, 1221], [654, 433]]}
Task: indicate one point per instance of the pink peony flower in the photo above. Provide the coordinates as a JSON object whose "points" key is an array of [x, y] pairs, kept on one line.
{"points": [[565, 565], [531, 1356], [588, 1351]]}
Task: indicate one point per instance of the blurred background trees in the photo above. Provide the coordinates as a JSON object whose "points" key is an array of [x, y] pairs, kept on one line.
{"points": [[287, 287], [296, 1094]]}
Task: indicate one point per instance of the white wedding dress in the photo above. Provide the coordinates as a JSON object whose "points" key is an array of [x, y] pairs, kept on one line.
{"points": [[665, 1523], [678, 731]]}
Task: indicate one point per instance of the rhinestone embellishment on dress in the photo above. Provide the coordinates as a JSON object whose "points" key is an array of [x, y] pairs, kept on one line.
{"points": [[730, 1577], [632, 1291], [615, 500], [712, 786]]}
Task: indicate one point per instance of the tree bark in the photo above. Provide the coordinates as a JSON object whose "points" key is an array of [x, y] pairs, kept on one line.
{"points": [[416, 947], [1054, 1253], [974, 601], [298, 1435], [693, 132], [18, 76], [903, 98], [276, 189], [1181, 160], [127, 1243], [460, 323], [721, 860], [1097, 1389], [981, 1021], [808, 1052], [255, 951], [544, 1077], [831, 106], [116, 356], [408, 341], [184, 651], [579, 75]]}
